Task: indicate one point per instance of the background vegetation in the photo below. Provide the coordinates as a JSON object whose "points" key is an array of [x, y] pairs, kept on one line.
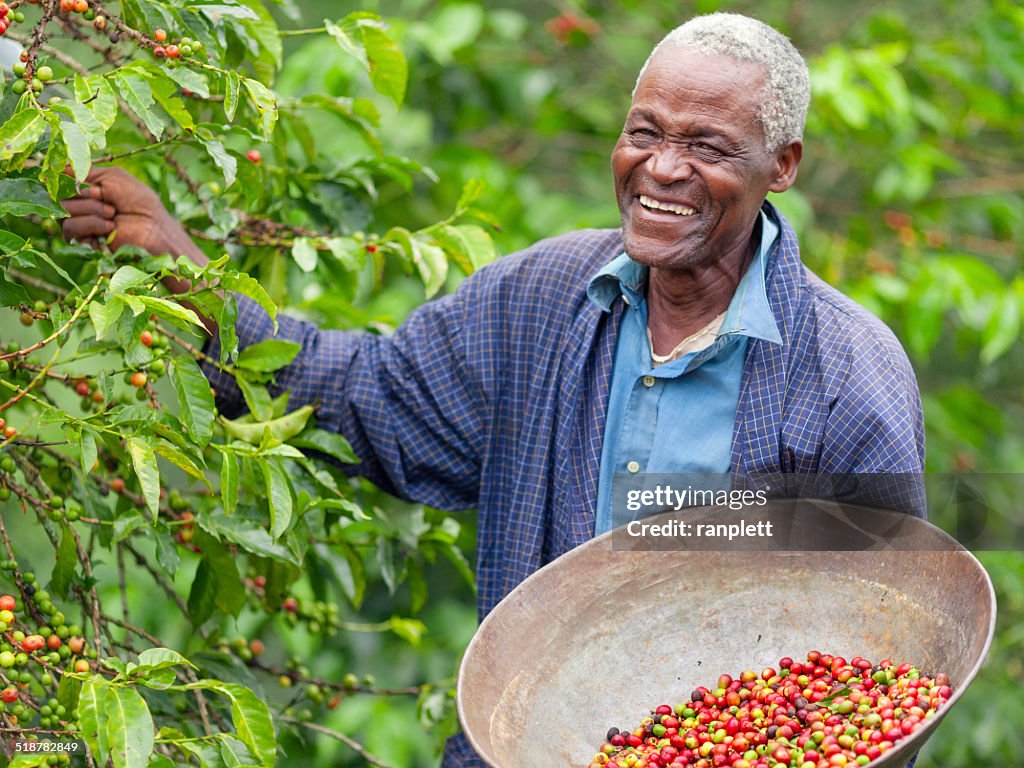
{"points": [[909, 199]]}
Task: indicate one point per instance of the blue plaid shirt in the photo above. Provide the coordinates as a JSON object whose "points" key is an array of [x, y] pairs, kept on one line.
{"points": [[495, 397]]}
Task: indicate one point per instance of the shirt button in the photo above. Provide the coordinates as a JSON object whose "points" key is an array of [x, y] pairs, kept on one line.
{"points": [[649, 381], [633, 467]]}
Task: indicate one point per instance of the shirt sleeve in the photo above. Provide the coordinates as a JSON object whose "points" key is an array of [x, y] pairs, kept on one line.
{"points": [[409, 404]]}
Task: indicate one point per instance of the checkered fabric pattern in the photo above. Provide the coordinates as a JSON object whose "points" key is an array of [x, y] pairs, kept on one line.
{"points": [[495, 397]]}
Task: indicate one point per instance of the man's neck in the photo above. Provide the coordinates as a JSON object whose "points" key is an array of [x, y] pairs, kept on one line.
{"points": [[681, 302]]}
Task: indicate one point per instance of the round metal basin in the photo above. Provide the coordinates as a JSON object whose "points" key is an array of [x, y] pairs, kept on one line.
{"points": [[614, 628]]}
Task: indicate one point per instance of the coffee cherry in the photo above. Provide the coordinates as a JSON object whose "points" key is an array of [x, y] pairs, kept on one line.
{"points": [[146, 338], [138, 379], [45, 74], [9, 432], [257, 647], [160, 52], [290, 605], [18, 87], [117, 485], [26, 318], [82, 666], [81, 6], [4, 10], [159, 35], [7, 603], [9, 694], [173, 51], [253, 156], [67, 6], [99, 23], [18, 69]]}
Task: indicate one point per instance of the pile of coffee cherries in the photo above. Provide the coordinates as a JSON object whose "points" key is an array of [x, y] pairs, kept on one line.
{"points": [[826, 712]]}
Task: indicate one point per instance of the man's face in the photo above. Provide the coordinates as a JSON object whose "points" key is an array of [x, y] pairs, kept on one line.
{"points": [[691, 169]]}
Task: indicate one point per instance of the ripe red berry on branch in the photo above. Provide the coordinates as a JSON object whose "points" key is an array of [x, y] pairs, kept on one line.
{"points": [[160, 52], [253, 156], [159, 35], [146, 338]]}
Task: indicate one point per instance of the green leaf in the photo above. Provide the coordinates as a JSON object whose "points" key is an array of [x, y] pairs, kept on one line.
{"points": [[85, 120], [257, 398], [127, 277], [265, 102], [159, 658], [144, 462], [92, 717], [171, 310], [410, 630], [1002, 330], [66, 564], [235, 754], [361, 34], [267, 356], [232, 84], [330, 443], [251, 719], [179, 459], [129, 728], [197, 409], [229, 482], [279, 496], [249, 286], [226, 328], [105, 316], [166, 94], [481, 247], [386, 559], [20, 197], [98, 96], [88, 451], [283, 428], [227, 163], [189, 78], [247, 534], [388, 69], [20, 134], [216, 585], [138, 95], [827, 701], [304, 253], [12, 294]]}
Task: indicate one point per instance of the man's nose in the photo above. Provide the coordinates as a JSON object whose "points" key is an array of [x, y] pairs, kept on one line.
{"points": [[669, 165]]}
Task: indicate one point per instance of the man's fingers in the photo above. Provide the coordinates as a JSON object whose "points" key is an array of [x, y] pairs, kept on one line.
{"points": [[79, 207], [84, 227]]}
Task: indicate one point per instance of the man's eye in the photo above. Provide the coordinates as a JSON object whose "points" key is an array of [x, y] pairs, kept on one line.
{"points": [[647, 132]]}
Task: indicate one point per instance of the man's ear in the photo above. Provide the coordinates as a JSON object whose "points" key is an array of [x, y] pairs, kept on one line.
{"points": [[787, 159]]}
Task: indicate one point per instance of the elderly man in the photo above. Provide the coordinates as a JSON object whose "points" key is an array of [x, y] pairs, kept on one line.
{"points": [[690, 340]]}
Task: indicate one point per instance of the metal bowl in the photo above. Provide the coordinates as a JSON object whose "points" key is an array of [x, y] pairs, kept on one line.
{"points": [[615, 627]]}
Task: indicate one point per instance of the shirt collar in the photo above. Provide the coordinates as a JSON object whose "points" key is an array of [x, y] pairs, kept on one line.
{"points": [[749, 313]]}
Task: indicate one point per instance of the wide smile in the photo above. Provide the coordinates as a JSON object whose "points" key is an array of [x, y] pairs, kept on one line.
{"points": [[676, 209]]}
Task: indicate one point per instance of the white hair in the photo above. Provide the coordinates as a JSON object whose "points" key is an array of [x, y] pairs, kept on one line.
{"points": [[786, 95]]}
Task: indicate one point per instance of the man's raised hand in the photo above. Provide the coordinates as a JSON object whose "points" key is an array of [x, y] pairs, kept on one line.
{"points": [[116, 202]]}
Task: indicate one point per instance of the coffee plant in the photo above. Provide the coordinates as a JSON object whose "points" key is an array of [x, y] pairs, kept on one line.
{"points": [[114, 455]]}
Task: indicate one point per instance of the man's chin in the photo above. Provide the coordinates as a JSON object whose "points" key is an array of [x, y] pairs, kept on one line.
{"points": [[657, 254]]}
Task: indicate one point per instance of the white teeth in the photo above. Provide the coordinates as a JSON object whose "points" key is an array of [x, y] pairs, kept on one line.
{"points": [[650, 202]]}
